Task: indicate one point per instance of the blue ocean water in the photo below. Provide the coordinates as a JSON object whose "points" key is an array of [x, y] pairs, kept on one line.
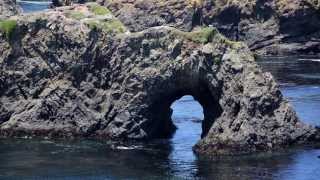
{"points": [[33, 6]]}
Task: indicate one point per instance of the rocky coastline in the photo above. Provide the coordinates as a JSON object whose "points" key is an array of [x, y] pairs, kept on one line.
{"points": [[87, 71]]}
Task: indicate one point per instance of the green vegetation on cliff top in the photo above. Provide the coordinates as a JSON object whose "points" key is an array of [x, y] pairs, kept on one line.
{"points": [[109, 26], [98, 10], [203, 35], [7, 27], [76, 15]]}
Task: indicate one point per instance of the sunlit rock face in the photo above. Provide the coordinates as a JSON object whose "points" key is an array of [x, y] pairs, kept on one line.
{"points": [[8, 8], [77, 71], [268, 27]]}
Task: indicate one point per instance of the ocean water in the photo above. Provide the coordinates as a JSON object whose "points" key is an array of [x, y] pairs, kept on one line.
{"points": [[33, 6], [299, 78]]}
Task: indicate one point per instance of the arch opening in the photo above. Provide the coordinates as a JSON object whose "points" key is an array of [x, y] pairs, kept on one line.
{"points": [[161, 111], [187, 116]]}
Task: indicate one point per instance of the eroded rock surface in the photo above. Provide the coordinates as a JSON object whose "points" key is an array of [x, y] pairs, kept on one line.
{"points": [[73, 72], [8, 8], [58, 3], [273, 27]]}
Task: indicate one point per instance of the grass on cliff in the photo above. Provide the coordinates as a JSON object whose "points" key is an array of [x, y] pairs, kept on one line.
{"points": [[203, 35], [99, 10], [109, 26], [7, 27], [75, 15]]}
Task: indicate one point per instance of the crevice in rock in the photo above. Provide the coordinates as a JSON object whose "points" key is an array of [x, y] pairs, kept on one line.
{"points": [[197, 17]]}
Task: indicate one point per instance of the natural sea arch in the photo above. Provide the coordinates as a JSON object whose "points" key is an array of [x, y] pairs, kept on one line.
{"points": [[120, 86], [162, 107]]}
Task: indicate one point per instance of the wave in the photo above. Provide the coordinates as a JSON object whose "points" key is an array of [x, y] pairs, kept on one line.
{"points": [[313, 60]]}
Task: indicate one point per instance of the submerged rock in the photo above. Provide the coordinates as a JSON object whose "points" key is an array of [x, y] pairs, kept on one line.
{"points": [[78, 72], [8, 8]]}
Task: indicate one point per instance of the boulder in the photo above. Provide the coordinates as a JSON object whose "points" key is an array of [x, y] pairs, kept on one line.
{"points": [[77, 72], [8, 8]]}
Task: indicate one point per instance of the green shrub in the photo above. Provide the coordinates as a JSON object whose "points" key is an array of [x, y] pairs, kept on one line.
{"points": [[7, 27], [204, 35], [109, 26], [75, 15], [98, 10]]}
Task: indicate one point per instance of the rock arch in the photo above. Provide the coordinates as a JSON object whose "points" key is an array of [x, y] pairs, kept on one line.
{"points": [[187, 84], [244, 108], [92, 83]]}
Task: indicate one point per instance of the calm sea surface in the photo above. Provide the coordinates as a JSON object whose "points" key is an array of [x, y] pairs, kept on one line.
{"points": [[46, 159], [33, 6]]}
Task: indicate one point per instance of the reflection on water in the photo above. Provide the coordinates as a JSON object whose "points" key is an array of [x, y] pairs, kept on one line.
{"points": [[187, 116], [158, 159]]}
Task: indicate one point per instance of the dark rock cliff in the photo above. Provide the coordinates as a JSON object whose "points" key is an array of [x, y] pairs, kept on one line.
{"points": [[78, 72], [269, 27], [57, 3]]}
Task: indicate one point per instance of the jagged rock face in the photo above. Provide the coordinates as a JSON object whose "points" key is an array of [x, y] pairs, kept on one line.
{"points": [[62, 78], [277, 27], [138, 15], [57, 3], [8, 8]]}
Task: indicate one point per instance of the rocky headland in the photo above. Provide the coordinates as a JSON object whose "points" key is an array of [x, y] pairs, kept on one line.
{"points": [[81, 71]]}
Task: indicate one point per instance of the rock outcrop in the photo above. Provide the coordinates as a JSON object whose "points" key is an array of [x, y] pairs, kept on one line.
{"points": [[58, 3], [8, 8], [276, 27], [269, 27], [78, 72]]}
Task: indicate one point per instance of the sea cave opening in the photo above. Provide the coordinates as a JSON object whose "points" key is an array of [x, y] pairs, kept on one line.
{"points": [[187, 116], [190, 109]]}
